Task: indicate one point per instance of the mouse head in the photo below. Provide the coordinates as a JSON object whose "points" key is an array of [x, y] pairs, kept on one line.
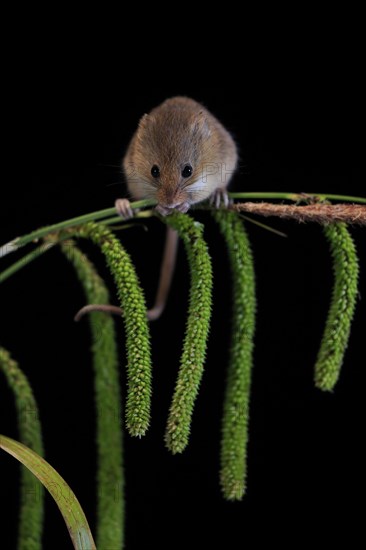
{"points": [[168, 156]]}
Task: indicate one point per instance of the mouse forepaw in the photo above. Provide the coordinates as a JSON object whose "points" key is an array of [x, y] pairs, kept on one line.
{"points": [[123, 207], [220, 198]]}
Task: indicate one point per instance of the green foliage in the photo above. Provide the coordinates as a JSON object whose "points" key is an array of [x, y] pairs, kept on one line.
{"points": [[31, 491], [195, 342], [337, 329], [110, 482], [235, 420], [137, 331]]}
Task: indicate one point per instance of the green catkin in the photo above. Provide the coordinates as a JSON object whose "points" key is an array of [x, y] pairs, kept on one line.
{"points": [[338, 325], [110, 481], [134, 315], [235, 422], [195, 342], [31, 493]]}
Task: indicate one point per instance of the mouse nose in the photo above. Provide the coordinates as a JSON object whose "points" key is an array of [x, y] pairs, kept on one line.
{"points": [[178, 207], [168, 198]]}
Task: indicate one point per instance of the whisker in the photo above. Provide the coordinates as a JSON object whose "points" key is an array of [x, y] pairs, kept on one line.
{"points": [[198, 194]]}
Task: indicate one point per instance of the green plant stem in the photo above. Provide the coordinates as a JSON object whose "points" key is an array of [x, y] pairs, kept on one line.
{"points": [[338, 325], [34, 236], [134, 314], [266, 195], [51, 241], [235, 422], [342, 198], [195, 342], [110, 482], [79, 220], [30, 434], [17, 243]]}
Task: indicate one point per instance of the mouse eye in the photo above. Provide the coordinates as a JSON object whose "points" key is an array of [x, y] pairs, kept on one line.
{"points": [[155, 172], [187, 171]]}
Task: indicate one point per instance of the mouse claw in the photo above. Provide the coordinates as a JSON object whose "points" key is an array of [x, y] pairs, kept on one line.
{"points": [[220, 198], [162, 210], [123, 207], [184, 207]]}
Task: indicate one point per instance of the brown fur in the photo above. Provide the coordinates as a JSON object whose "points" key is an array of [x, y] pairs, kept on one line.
{"points": [[178, 132]]}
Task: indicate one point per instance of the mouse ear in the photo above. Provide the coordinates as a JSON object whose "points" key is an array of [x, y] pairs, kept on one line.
{"points": [[143, 120], [200, 125], [144, 126]]}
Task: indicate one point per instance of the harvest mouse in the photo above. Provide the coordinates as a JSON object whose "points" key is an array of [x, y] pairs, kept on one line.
{"points": [[179, 155]]}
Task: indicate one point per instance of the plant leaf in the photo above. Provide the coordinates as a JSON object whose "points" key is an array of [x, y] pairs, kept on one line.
{"points": [[64, 497]]}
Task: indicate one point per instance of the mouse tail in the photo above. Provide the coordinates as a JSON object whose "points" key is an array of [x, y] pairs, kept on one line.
{"points": [[106, 308]]}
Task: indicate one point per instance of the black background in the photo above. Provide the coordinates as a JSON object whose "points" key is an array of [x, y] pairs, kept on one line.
{"points": [[64, 131]]}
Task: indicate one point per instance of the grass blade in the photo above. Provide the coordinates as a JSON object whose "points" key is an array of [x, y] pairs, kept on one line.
{"points": [[64, 497]]}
